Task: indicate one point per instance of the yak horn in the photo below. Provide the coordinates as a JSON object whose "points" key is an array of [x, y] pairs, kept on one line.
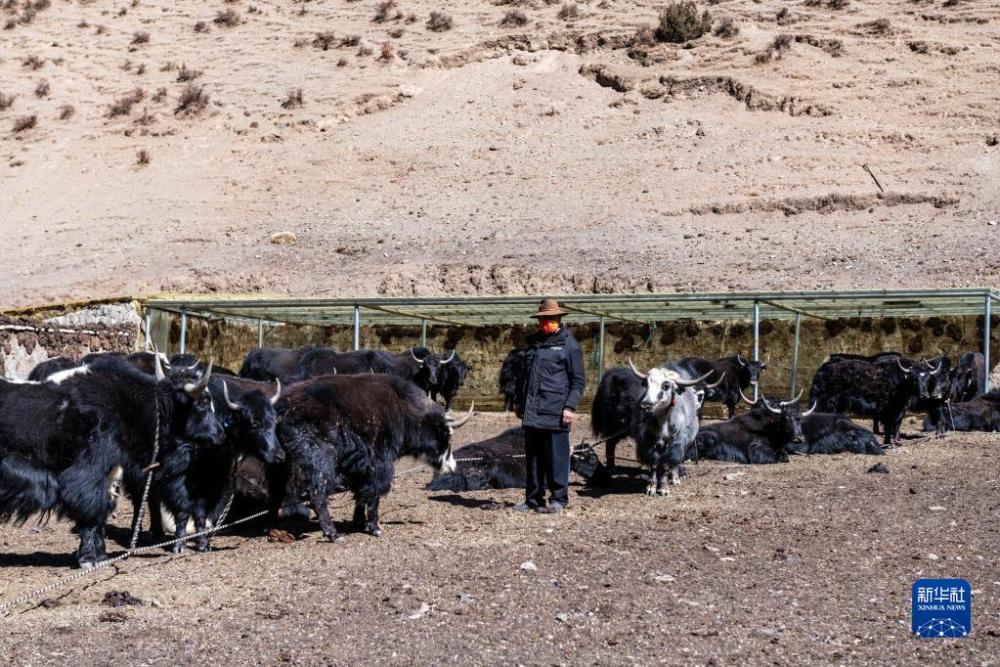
{"points": [[197, 389], [936, 370], [811, 410], [449, 358], [794, 400], [415, 357], [641, 376], [461, 421], [277, 392], [717, 382], [766, 362], [740, 359], [904, 368], [744, 397], [158, 367], [768, 406], [225, 395], [691, 383]]}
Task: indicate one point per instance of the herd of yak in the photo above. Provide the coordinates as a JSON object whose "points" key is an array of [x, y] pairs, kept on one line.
{"points": [[294, 426]]}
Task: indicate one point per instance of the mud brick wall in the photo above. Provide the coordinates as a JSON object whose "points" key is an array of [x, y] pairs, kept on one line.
{"points": [[484, 348]]}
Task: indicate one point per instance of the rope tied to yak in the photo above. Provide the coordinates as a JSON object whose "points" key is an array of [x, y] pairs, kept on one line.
{"points": [[137, 528]]}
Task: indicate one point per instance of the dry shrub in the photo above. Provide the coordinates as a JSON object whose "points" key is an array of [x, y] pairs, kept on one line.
{"points": [[878, 27], [387, 10], [439, 22], [33, 62], [350, 40], [837, 4], [42, 89], [141, 69], [25, 123], [142, 158], [66, 112], [192, 100], [100, 30], [139, 38], [680, 22], [6, 101], [410, 18], [184, 74], [386, 52], [514, 18], [146, 118], [644, 36], [364, 50], [396, 33], [776, 49], [293, 100], [568, 12], [726, 28], [227, 18], [159, 95], [324, 40], [201, 26], [123, 105], [343, 62]]}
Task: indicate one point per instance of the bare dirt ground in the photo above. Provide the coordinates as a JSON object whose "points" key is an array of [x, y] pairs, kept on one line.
{"points": [[460, 159], [810, 562]]}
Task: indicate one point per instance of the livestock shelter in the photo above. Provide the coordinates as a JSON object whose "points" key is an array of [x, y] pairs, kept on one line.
{"points": [[602, 309]]}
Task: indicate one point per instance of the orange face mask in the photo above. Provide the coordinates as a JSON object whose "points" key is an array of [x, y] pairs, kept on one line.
{"points": [[549, 327]]}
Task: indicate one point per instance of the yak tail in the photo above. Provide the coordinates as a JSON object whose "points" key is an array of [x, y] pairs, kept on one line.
{"points": [[25, 490]]}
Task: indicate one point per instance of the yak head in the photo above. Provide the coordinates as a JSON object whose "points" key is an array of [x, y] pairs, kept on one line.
{"points": [[436, 429], [788, 415], [963, 382], [252, 421], [429, 365], [924, 376], [663, 386], [193, 403], [750, 370]]}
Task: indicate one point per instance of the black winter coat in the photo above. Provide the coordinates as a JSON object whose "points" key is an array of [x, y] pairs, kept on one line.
{"points": [[554, 380]]}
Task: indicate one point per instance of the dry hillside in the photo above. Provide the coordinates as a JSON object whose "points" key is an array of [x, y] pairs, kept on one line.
{"points": [[507, 146]]}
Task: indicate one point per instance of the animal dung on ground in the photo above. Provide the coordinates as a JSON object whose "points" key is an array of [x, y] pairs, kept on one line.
{"points": [[879, 468], [284, 238], [117, 599], [529, 566]]}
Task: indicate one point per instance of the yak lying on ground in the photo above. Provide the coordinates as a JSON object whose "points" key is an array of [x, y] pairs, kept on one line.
{"points": [[350, 430], [828, 433], [65, 442], [967, 377], [881, 389], [666, 423], [194, 478], [512, 378], [978, 414], [499, 463], [731, 374], [766, 434]]}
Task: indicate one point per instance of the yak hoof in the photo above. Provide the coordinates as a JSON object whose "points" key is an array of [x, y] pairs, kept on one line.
{"points": [[650, 490], [375, 531], [88, 565], [178, 547], [663, 491], [336, 538], [201, 547]]}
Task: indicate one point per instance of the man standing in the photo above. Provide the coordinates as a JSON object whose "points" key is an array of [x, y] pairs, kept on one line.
{"points": [[554, 386]]}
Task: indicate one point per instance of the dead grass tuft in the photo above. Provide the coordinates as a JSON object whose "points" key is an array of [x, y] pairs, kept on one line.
{"points": [[184, 74], [123, 105], [42, 89], [324, 40], [387, 10], [6, 101], [776, 50], [192, 100], [201, 26], [139, 38], [227, 18], [568, 12], [25, 123], [387, 53], [33, 62], [142, 158], [726, 28], [293, 100], [514, 18], [439, 22], [66, 112]]}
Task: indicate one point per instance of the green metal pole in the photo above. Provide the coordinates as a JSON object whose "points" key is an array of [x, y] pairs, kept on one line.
{"points": [[756, 343], [600, 351], [423, 333]]}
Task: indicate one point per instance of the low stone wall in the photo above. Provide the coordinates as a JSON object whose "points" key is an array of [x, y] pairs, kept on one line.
{"points": [[29, 340]]}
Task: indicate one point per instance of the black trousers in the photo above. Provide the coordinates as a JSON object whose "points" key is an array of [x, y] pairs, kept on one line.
{"points": [[547, 457]]}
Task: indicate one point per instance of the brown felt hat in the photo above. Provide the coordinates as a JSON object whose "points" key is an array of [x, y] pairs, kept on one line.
{"points": [[549, 308]]}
